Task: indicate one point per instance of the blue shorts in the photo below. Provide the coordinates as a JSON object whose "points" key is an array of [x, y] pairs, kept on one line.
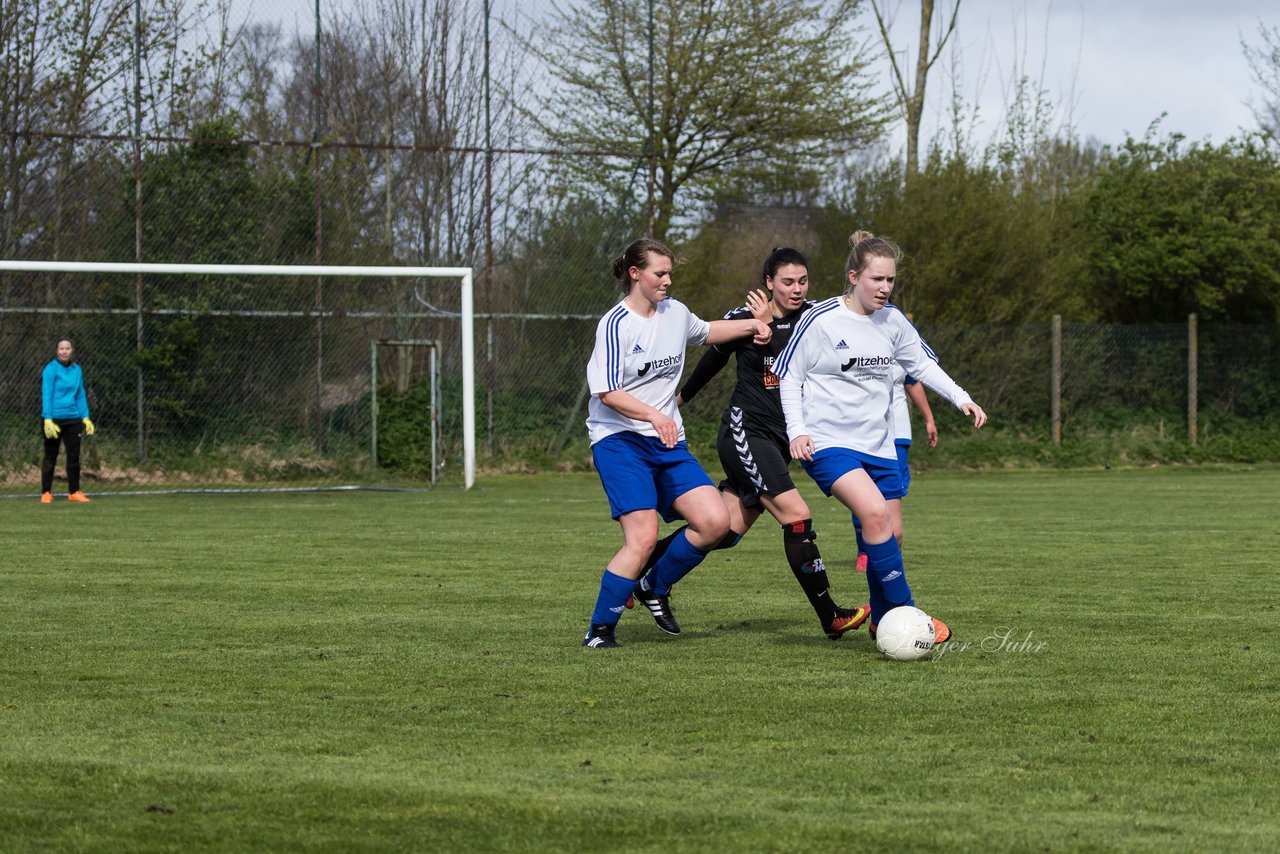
{"points": [[640, 473], [831, 464], [904, 470]]}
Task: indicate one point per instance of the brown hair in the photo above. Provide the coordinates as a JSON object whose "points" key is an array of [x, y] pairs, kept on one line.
{"points": [[781, 256], [636, 255], [863, 245]]}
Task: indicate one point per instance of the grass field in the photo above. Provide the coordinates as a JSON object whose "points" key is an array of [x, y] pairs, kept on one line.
{"points": [[401, 672]]}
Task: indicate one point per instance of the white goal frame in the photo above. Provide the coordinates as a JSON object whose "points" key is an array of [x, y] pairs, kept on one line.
{"points": [[433, 372], [467, 313]]}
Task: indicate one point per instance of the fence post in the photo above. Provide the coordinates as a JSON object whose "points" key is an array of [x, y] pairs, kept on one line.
{"points": [[138, 336], [1193, 379], [317, 190], [1056, 382], [373, 402]]}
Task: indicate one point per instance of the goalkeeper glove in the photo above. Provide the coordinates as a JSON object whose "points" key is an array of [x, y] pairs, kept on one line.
{"points": [[88, 426], [51, 430]]}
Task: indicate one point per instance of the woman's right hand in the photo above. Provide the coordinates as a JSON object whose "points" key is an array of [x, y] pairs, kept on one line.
{"points": [[668, 430], [802, 448], [758, 302]]}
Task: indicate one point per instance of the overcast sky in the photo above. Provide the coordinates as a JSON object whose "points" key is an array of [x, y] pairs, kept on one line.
{"points": [[1111, 67]]}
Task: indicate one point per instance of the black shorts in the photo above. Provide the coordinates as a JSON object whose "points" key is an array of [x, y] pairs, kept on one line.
{"points": [[753, 463]]}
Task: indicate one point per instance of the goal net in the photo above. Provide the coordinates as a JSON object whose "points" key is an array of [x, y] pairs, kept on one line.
{"points": [[244, 377]]}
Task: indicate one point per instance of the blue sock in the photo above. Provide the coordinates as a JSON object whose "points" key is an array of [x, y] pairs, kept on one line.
{"points": [[681, 557], [612, 601], [884, 563]]}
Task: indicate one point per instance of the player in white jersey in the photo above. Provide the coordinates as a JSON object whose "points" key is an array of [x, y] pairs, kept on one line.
{"points": [[637, 437], [836, 375]]}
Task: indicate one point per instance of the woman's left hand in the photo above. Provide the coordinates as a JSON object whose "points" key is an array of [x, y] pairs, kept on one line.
{"points": [[975, 412], [763, 332]]}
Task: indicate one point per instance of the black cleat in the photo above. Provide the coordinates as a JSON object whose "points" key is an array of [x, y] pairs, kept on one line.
{"points": [[659, 607], [600, 637]]}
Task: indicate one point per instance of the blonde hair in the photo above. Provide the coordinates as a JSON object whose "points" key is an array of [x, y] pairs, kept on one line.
{"points": [[863, 245]]}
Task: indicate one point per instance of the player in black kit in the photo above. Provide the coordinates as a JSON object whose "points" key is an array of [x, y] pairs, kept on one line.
{"points": [[752, 441]]}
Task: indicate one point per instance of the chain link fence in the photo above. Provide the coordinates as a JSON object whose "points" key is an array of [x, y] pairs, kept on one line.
{"points": [[238, 397]]}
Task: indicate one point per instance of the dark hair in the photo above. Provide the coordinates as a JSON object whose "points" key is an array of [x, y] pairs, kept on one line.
{"points": [[864, 245], [781, 256], [636, 255]]}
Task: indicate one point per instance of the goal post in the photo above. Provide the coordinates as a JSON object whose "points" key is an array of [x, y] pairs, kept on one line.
{"points": [[466, 315], [433, 375]]}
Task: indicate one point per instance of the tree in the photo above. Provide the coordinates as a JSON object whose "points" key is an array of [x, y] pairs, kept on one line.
{"points": [[1264, 62], [66, 73], [982, 245], [910, 98], [746, 96], [1177, 229]]}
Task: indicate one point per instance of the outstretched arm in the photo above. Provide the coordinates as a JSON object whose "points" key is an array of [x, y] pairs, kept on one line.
{"points": [[729, 330], [928, 372]]}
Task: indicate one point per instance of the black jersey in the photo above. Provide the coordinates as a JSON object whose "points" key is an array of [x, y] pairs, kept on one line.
{"points": [[756, 391]]}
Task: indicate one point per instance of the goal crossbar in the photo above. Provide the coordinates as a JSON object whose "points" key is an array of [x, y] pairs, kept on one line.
{"points": [[461, 273]]}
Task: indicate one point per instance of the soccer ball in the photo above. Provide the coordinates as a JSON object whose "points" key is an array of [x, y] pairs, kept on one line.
{"points": [[905, 634]]}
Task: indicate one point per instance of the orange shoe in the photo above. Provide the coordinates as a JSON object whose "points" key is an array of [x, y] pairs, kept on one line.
{"points": [[941, 634], [846, 620], [79, 497], [860, 565], [46, 498]]}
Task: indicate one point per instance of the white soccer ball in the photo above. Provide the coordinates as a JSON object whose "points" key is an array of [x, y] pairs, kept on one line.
{"points": [[905, 634]]}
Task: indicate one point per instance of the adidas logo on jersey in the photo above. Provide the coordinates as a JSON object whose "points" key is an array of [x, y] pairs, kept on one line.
{"points": [[638, 349], [842, 345]]}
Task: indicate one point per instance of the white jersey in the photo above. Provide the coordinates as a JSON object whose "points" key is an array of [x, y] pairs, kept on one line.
{"points": [[642, 356], [837, 376]]}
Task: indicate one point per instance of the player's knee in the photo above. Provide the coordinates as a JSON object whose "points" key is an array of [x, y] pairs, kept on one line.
{"points": [[712, 525], [876, 524], [642, 544]]}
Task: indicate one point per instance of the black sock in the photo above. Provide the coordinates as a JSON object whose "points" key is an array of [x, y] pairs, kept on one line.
{"points": [[806, 565]]}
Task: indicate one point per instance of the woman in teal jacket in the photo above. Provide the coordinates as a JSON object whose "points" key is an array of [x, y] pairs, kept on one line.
{"points": [[65, 410]]}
